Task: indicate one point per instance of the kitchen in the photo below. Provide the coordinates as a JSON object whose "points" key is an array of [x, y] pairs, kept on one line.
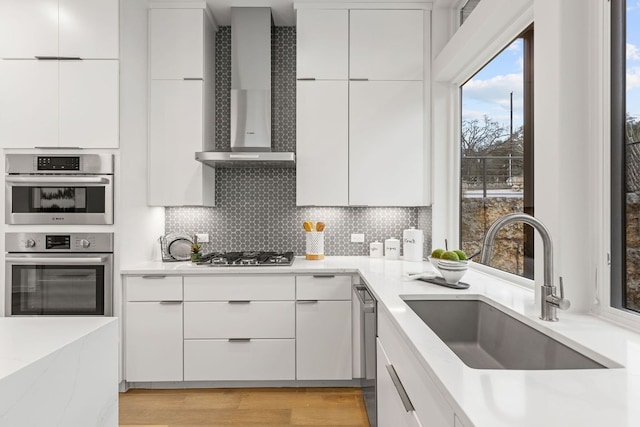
{"points": [[258, 208]]}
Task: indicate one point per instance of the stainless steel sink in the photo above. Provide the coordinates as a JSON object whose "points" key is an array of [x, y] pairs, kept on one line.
{"points": [[484, 337]]}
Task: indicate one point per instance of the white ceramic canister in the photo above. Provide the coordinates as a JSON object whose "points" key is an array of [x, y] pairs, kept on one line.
{"points": [[392, 248], [375, 249], [412, 244]]}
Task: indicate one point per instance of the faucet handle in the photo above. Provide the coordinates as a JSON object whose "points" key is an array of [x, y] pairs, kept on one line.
{"points": [[559, 301]]}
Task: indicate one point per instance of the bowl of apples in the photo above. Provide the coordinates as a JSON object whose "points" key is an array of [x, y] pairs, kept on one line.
{"points": [[452, 265]]}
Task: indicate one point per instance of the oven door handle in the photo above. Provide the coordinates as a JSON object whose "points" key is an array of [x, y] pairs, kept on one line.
{"points": [[56, 260], [56, 180]]}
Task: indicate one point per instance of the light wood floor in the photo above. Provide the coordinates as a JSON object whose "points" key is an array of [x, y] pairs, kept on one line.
{"points": [[243, 407]]}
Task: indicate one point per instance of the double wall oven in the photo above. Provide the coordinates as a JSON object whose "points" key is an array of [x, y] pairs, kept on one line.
{"points": [[59, 274], [59, 189]]}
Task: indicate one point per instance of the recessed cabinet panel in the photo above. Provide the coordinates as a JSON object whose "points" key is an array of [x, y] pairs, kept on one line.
{"points": [[386, 44], [88, 28], [28, 104], [386, 144], [323, 44], [89, 104], [322, 143], [175, 120], [176, 43]]}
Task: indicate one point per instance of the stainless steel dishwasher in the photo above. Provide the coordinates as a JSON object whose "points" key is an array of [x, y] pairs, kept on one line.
{"points": [[369, 325]]}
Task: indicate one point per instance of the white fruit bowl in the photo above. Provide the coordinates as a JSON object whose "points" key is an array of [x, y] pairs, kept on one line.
{"points": [[451, 271]]}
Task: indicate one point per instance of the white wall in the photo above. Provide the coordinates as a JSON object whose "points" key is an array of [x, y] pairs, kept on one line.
{"points": [[568, 115]]}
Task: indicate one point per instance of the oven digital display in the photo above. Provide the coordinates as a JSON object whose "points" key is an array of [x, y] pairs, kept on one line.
{"points": [[58, 242], [58, 163]]}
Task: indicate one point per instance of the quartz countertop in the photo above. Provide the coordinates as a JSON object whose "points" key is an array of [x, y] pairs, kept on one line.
{"points": [[487, 397], [60, 371]]}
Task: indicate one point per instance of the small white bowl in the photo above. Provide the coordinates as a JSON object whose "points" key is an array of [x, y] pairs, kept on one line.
{"points": [[452, 276]]}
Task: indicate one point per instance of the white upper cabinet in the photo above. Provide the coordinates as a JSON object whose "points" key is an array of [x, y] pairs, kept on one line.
{"points": [[28, 104], [181, 106], [386, 44], [88, 29], [176, 43], [89, 113], [322, 150], [386, 144], [323, 44], [66, 28]]}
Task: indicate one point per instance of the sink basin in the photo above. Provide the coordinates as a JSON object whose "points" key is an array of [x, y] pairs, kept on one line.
{"points": [[484, 337]]}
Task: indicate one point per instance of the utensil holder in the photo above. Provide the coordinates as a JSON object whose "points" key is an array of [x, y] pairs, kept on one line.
{"points": [[315, 245]]}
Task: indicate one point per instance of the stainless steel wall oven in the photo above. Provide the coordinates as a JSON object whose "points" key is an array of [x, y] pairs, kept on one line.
{"points": [[59, 274], [59, 189]]}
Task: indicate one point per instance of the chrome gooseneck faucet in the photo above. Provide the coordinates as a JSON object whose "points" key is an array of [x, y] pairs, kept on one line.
{"points": [[549, 300]]}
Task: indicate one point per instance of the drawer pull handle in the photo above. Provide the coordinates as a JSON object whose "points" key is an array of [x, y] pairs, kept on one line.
{"points": [[155, 276], [239, 339], [359, 79], [192, 78], [301, 79], [170, 302], [324, 276], [240, 302], [308, 301], [408, 406]]}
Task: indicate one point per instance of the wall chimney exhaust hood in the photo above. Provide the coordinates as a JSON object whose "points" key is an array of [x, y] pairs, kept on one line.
{"points": [[250, 95]]}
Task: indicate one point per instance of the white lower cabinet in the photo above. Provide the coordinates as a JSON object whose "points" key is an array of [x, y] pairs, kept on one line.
{"points": [[154, 340], [153, 328], [430, 407], [323, 340], [392, 411], [239, 359]]}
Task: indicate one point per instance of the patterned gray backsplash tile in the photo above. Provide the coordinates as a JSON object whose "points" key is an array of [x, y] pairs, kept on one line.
{"points": [[256, 208]]}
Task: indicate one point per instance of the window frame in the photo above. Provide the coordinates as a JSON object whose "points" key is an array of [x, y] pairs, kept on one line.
{"points": [[528, 55]]}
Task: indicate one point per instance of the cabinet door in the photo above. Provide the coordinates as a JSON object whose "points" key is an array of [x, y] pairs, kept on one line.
{"points": [[154, 343], [323, 340], [386, 144], [28, 28], [175, 134], [322, 44], [391, 409], [28, 104], [89, 104], [89, 29], [322, 147], [176, 43], [386, 44]]}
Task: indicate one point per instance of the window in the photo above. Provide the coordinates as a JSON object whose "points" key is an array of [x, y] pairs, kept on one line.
{"points": [[625, 154], [497, 155]]}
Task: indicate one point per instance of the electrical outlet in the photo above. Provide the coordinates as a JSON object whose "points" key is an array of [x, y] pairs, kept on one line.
{"points": [[203, 237], [357, 238]]}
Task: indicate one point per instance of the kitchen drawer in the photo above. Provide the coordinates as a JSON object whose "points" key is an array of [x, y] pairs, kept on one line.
{"points": [[323, 287], [430, 405], [247, 288], [241, 319], [224, 360], [154, 288]]}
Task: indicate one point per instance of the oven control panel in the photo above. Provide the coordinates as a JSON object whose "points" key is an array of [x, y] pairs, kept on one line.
{"points": [[59, 242], [47, 163]]}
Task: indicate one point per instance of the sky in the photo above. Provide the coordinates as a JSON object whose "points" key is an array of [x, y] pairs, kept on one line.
{"points": [[487, 93]]}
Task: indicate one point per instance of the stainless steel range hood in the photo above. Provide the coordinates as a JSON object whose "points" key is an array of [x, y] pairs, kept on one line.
{"points": [[250, 95]]}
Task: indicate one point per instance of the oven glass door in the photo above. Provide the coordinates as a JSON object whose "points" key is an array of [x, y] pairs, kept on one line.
{"points": [[59, 288], [59, 199]]}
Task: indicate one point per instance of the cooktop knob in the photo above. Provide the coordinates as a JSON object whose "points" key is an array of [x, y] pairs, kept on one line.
{"points": [[29, 243], [85, 243]]}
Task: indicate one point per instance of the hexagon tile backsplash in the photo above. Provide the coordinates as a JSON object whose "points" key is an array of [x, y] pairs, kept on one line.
{"points": [[256, 208]]}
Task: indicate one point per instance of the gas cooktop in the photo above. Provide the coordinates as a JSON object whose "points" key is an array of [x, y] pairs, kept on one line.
{"points": [[246, 259]]}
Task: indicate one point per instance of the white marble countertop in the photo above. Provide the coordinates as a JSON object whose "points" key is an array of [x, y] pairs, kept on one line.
{"points": [[25, 340], [490, 398]]}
